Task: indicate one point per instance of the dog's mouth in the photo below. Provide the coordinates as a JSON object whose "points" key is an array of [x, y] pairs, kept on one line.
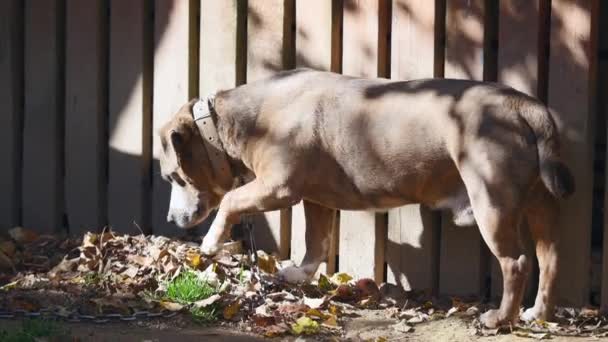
{"points": [[191, 221]]}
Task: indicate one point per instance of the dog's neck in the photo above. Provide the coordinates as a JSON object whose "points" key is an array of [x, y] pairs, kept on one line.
{"points": [[225, 161]]}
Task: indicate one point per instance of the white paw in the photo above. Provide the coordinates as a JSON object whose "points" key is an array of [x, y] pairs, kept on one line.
{"points": [[293, 275], [529, 315], [210, 246]]}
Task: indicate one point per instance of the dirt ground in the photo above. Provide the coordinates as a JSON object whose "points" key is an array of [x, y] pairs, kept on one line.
{"points": [[369, 327]]}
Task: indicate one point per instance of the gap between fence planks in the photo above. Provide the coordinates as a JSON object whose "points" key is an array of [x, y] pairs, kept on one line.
{"points": [[603, 108]]}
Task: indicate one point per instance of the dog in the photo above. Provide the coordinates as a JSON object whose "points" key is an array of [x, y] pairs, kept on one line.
{"points": [[487, 152]]}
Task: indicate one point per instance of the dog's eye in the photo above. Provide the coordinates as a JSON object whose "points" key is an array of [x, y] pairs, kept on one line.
{"points": [[178, 179]]}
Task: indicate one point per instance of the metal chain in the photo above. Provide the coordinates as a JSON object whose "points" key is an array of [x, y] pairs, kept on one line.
{"points": [[75, 317]]}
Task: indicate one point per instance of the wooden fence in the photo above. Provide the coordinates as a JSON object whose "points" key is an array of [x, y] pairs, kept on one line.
{"points": [[85, 84]]}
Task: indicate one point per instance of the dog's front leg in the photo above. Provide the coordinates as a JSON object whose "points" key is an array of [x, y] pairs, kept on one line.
{"points": [[253, 197], [319, 226]]}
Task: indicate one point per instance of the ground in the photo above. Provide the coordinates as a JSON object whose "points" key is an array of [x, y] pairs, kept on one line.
{"points": [[166, 289], [371, 327]]}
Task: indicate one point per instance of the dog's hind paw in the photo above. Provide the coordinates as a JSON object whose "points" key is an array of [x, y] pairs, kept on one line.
{"points": [[493, 319], [293, 275], [533, 314]]}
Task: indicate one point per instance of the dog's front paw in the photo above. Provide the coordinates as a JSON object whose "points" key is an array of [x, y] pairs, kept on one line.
{"points": [[293, 275], [210, 247]]}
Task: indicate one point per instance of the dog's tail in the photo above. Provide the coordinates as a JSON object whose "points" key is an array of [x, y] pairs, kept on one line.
{"points": [[554, 174]]}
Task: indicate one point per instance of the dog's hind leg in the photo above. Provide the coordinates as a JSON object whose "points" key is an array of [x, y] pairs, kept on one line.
{"points": [[541, 212], [498, 219], [319, 225]]}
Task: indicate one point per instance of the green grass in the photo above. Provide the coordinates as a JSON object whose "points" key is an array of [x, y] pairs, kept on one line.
{"points": [[188, 288], [33, 330], [207, 314]]}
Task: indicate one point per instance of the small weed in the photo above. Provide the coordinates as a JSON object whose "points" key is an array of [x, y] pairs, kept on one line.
{"points": [[188, 288], [242, 275], [205, 315], [33, 330], [92, 279]]}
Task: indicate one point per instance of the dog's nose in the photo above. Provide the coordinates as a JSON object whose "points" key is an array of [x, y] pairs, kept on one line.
{"points": [[170, 219]]}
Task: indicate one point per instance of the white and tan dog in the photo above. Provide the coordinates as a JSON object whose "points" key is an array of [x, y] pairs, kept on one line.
{"points": [[487, 152]]}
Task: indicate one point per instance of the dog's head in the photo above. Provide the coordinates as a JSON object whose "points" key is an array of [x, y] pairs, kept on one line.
{"points": [[185, 165]]}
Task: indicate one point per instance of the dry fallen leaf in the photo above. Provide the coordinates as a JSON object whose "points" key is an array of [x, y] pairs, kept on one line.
{"points": [[231, 310], [207, 301], [171, 306], [340, 278], [314, 303], [267, 263], [304, 325], [22, 235]]}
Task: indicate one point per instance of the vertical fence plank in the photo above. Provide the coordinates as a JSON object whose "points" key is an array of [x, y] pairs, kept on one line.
{"points": [[571, 68], [460, 250], [85, 116], [412, 231], [218, 46], [43, 122], [126, 178], [218, 49], [314, 34], [314, 50], [11, 111], [171, 88], [360, 38], [517, 66], [269, 50], [362, 234]]}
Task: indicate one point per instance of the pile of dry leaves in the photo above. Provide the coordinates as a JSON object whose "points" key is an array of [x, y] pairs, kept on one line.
{"points": [[104, 276]]}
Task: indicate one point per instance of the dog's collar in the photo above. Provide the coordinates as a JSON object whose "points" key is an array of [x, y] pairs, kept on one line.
{"points": [[203, 111]]}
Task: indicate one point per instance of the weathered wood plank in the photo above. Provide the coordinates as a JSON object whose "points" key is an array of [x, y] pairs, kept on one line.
{"points": [[270, 49], [127, 167], [362, 234], [313, 50], [460, 250], [518, 55], [362, 244], [360, 38], [571, 67], [172, 88], [11, 111], [314, 34], [85, 116], [412, 230], [43, 122], [218, 46]]}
